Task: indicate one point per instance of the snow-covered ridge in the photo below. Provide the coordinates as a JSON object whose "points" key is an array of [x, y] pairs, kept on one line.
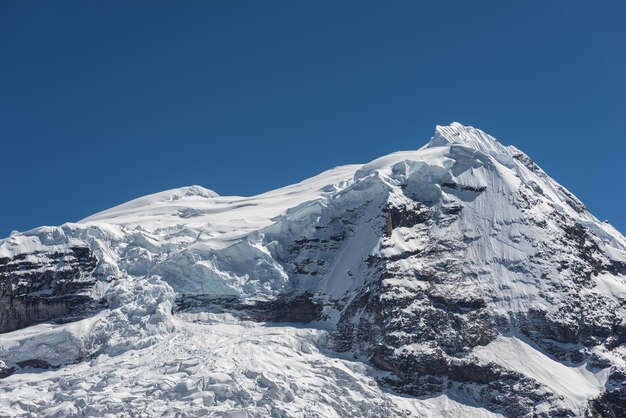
{"points": [[224, 217], [424, 264], [468, 136], [189, 193]]}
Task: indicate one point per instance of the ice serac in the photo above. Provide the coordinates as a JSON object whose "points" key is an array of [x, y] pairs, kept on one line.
{"points": [[459, 274]]}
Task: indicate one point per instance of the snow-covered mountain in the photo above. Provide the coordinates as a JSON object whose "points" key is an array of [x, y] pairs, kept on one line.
{"points": [[455, 280]]}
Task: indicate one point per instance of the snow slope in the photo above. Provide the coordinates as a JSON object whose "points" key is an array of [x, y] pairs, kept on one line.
{"points": [[226, 218]]}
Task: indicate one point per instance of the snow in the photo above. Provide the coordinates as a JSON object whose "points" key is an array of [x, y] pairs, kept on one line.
{"points": [[222, 219], [575, 384], [613, 287], [200, 242], [216, 365]]}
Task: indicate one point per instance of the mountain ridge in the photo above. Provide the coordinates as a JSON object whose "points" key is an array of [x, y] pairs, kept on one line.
{"points": [[427, 265]]}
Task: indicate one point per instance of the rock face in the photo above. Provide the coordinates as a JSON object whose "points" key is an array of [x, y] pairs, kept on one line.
{"points": [[460, 269], [300, 308], [41, 286], [423, 313]]}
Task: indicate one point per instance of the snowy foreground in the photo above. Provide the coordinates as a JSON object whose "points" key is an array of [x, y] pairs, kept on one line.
{"points": [[455, 280], [216, 365]]}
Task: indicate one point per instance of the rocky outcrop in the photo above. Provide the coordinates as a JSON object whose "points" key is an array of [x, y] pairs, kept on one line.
{"points": [[612, 402], [301, 308], [43, 286], [422, 323]]}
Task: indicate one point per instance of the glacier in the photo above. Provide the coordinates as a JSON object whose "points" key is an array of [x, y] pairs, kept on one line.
{"points": [[458, 279]]}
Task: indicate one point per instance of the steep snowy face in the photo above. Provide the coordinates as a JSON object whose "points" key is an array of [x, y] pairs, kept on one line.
{"points": [[466, 136], [478, 243], [428, 264]]}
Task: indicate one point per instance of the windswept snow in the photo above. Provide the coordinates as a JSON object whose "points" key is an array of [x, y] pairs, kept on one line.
{"points": [[219, 220]]}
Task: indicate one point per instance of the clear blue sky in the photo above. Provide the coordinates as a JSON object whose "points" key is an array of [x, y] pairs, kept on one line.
{"points": [[105, 101]]}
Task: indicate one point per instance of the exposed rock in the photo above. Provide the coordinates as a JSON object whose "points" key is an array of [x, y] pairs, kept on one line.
{"points": [[39, 287], [300, 308]]}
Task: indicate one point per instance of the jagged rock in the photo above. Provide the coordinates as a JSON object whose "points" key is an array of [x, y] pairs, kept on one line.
{"points": [[301, 308], [41, 286]]}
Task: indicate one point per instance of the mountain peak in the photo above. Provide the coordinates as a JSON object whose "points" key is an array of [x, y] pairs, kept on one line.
{"points": [[461, 271], [468, 136]]}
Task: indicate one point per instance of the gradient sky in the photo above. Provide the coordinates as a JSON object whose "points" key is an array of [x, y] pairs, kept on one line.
{"points": [[102, 102]]}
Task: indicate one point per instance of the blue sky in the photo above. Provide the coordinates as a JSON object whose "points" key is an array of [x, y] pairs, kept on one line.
{"points": [[102, 102]]}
